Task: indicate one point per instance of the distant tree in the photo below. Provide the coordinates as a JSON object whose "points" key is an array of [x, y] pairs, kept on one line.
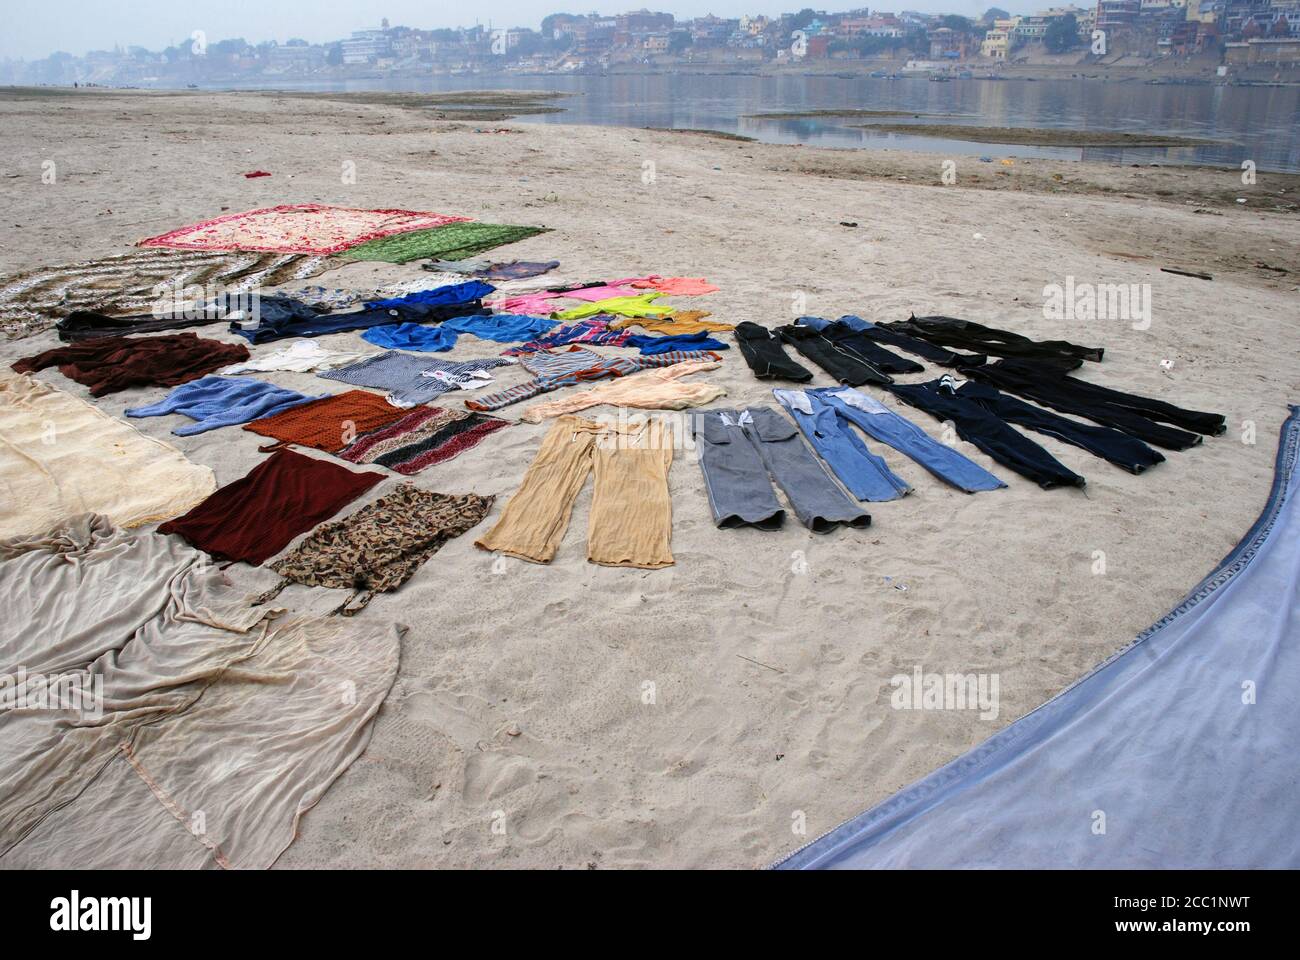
{"points": [[995, 13], [334, 54], [864, 45], [228, 47], [548, 23], [1061, 34], [678, 41], [802, 18], [955, 23]]}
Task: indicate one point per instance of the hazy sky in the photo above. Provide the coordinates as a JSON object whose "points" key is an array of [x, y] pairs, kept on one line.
{"points": [[36, 28]]}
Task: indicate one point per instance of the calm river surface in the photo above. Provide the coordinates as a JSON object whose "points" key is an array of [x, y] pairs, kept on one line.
{"points": [[1255, 123]]}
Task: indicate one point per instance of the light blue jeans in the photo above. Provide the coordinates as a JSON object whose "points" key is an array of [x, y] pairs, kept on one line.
{"points": [[862, 472], [906, 437]]}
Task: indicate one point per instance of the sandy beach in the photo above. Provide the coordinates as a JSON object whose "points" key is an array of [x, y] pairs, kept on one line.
{"points": [[518, 733]]}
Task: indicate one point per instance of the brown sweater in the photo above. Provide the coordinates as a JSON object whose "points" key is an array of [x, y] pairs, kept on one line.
{"points": [[110, 364]]}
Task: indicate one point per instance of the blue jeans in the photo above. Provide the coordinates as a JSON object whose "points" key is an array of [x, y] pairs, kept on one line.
{"points": [[862, 472], [906, 437]]}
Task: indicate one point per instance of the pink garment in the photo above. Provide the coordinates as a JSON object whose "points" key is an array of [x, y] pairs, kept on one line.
{"points": [[530, 303], [592, 294], [676, 286], [633, 281]]}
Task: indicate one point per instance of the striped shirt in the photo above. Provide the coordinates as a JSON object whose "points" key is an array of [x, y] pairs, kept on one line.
{"points": [[405, 375], [596, 330], [576, 365]]}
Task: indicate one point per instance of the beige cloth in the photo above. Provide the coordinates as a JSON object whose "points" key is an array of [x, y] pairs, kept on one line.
{"points": [[60, 456], [631, 511], [655, 389], [218, 726]]}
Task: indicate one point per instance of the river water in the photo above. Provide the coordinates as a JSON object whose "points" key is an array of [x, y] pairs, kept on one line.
{"points": [[1260, 124]]}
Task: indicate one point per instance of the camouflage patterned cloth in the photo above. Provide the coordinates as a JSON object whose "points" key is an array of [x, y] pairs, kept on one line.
{"points": [[379, 547]]}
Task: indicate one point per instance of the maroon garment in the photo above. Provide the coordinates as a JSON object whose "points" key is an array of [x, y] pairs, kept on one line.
{"points": [[110, 364], [256, 516]]}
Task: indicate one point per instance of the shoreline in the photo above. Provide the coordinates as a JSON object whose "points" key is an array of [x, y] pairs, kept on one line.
{"points": [[495, 106]]}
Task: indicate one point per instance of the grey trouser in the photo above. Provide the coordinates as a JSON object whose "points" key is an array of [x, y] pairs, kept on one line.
{"points": [[739, 449]]}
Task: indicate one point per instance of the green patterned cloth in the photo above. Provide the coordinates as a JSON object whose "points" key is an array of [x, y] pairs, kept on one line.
{"points": [[455, 241]]}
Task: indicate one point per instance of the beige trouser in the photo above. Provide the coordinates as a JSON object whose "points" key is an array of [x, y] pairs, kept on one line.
{"points": [[631, 512]]}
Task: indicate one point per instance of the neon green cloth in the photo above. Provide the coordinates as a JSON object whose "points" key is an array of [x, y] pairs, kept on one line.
{"points": [[638, 306], [455, 241]]}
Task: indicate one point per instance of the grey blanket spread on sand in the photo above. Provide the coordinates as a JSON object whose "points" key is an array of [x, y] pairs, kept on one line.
{"points": [[149, 717]]}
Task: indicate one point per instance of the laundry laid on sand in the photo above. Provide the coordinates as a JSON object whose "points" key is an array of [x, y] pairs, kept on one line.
{"points": [[594, 331], [641, 305], [188, 728], [556, 369], [427, 306], [456, 241], [411, 379], [214, 402], [378, 548], [129, 283], [223, 696], [741, 449], [111, 364], [683, 341], [656, 389], [630, 521], [301, 356], [297, 228], [679, 323], [495, 270], [424, 437], [255, 517], [417, 337], [329, 424], [61, 456]]}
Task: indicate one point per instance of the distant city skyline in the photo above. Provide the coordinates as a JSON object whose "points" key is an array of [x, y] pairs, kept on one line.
{"points": [[77, 26]]}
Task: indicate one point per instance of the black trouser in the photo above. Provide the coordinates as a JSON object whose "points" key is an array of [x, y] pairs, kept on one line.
{"points": [[886, 361], [88, 325], [990, 433], [922, 348], [1125, 411], [969, 335], [845, 366], [765, 355], [1105, 442]]}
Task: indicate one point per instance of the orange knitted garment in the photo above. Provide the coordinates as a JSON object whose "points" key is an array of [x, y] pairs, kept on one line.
{"points": [[329, 424]]}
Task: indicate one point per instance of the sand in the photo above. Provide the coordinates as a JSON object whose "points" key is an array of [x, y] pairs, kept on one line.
{"points": [[519, 732]]}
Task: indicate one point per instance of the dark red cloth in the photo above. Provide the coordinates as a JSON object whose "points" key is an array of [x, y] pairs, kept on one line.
{"points": [[256, 173], [110, 364], [256, 516]]}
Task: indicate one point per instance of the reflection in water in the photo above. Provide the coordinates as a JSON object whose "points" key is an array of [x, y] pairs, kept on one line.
{"points": [[1255, 123]]}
